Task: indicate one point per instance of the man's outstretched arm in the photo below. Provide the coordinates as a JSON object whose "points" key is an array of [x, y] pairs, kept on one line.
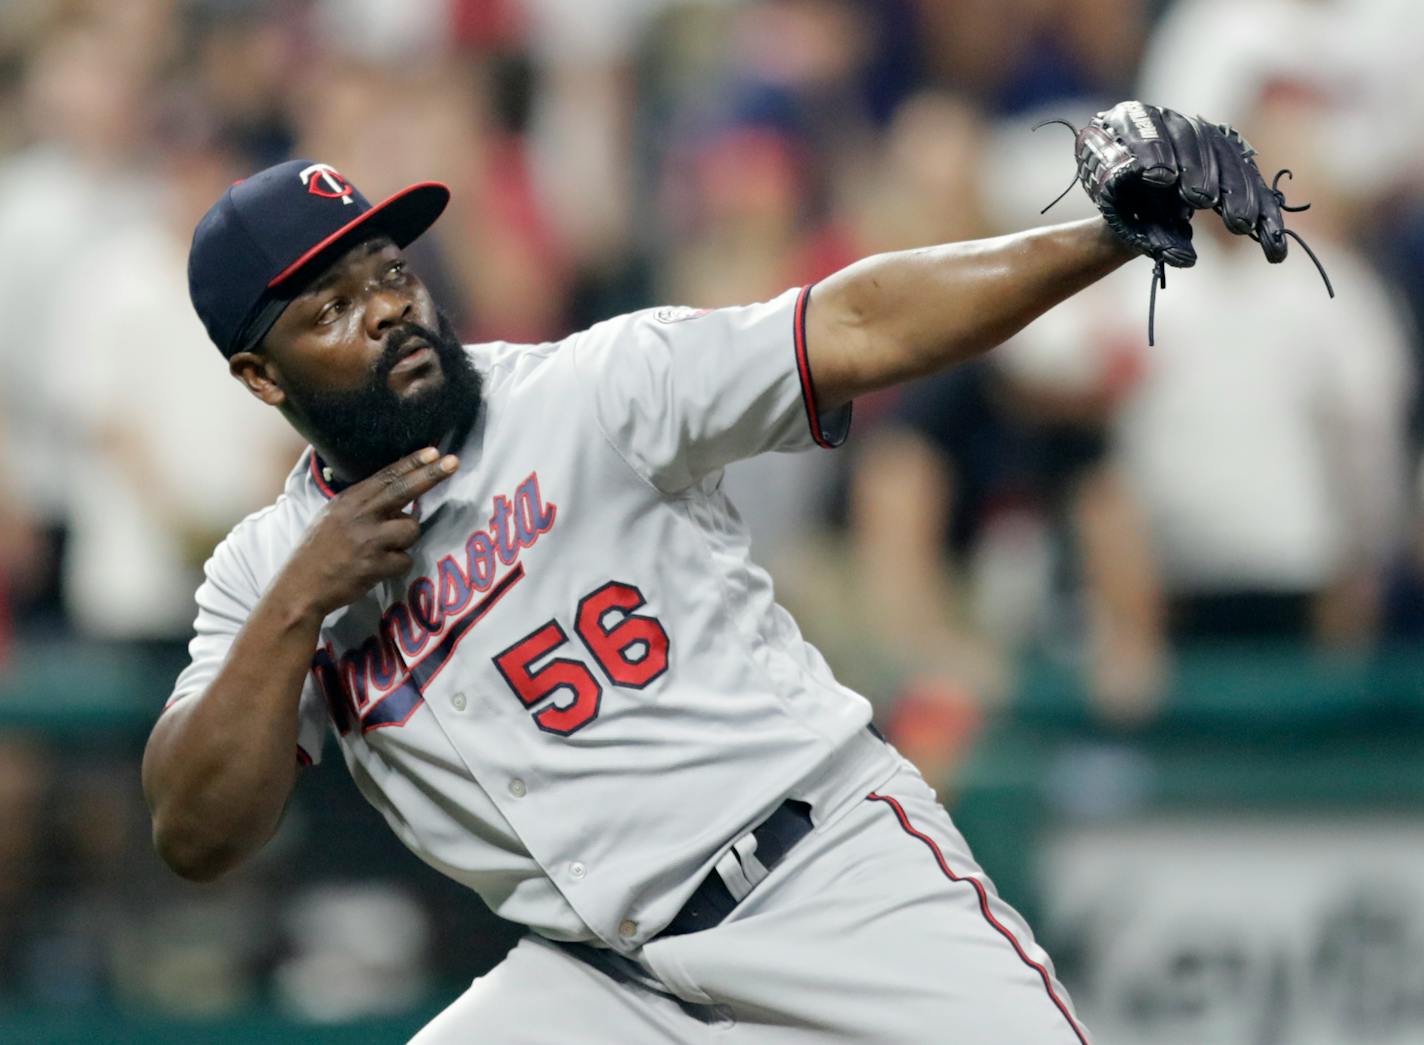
{"points": [[895, 317]]}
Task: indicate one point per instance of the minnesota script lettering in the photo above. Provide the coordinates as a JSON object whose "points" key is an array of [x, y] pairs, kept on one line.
{"points": [[381, 681]]}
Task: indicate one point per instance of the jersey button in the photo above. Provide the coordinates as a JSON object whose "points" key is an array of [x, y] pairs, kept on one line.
{"points": [[627, 928], [517, 788], [577, 870], [458, 702]]}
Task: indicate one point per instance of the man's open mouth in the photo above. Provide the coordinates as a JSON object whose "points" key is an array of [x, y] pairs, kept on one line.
{"points": [[413, 354]]}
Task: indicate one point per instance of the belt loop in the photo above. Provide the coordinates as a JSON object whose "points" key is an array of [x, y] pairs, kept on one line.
{"points": [[740, 870], [746, 850], [729, 869]]}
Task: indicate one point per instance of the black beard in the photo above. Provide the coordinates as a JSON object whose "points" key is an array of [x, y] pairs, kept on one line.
{"points": [[369, 427]]}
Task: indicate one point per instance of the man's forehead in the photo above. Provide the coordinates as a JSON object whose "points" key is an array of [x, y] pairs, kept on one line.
{"points": [[339, 267]]}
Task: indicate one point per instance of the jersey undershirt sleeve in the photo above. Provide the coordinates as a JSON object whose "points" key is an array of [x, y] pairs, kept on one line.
{"points": [[226, 597], [681, 393]]}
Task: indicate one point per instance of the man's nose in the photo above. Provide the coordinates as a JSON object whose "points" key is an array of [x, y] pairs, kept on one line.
{"points": [[387, 308]]}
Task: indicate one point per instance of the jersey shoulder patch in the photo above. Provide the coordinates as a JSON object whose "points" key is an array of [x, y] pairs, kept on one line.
{"points": [[679, 313]]}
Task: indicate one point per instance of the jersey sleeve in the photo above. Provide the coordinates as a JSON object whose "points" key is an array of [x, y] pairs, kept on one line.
{"points": [[225, 599], [681, 393]]}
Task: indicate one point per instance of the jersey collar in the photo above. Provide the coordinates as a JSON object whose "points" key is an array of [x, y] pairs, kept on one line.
{"points": [[323, 477]]}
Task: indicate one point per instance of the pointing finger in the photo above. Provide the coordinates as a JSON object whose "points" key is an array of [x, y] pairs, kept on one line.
{"points": [[378, 481], [371, 487], [400, 489]]}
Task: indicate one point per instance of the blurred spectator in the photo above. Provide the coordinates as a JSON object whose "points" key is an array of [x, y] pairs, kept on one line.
{"points": [[961, 507], [1353, 67], [1361, 57], [1264, 435], [171, 452], [582, 126], [1014, 55], [928, 185], [376, 32], [749, 188], [745, 228], [245, 55], [1311, 393], [72, 187]]}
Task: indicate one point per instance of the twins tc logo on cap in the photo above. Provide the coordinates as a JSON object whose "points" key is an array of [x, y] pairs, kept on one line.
{"points": [[324, 180]]}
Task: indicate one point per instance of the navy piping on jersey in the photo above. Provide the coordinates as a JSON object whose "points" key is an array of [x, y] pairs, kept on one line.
{"points": [[808, 388], [983, 907]]}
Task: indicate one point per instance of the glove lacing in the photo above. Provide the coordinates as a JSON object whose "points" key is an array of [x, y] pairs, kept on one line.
{"points": [[1286, 172]]}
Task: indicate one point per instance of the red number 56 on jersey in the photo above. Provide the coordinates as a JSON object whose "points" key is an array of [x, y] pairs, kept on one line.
{"points": [[632, 650]]}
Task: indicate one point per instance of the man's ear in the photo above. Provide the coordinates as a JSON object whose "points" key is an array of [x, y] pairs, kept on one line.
{"points": [[258, 374]]}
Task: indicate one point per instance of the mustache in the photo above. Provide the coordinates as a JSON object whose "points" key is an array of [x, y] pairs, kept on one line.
{"points": [[396, 342]]}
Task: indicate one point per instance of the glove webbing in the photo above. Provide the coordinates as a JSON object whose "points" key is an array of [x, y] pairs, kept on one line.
{"points": [[1159, 267]]}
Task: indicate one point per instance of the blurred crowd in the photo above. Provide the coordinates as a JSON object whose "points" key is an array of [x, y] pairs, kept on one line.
{"points": [[1255, 476]]}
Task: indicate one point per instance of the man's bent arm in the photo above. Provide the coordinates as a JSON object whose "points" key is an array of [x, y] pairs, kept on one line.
{"points": [[895, 317], [219, 767]]}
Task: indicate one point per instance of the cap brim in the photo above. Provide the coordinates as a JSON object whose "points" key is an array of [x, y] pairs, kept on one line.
{"points": [[403, 217]]}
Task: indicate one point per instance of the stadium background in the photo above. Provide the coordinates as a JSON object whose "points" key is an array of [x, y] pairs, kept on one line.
{"points": [[1149, 618]]}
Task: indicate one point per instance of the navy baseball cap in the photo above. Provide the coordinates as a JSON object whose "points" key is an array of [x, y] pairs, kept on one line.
{"points": [[253, 248]]}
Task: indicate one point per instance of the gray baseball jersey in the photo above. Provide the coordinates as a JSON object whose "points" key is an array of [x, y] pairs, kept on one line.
{"points": [[583, 690]]}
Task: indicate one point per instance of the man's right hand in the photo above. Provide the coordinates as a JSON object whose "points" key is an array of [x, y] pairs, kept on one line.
{"points": [[360, 538]]}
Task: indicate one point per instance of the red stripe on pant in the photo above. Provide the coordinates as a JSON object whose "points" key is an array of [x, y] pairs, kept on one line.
{"points": [[983, 907]]}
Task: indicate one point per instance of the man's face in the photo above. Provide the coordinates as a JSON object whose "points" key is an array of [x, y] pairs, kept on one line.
{"points": [[363, 363]]}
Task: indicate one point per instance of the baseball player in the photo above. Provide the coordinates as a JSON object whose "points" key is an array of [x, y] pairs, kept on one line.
{"points": [[505, 576]]}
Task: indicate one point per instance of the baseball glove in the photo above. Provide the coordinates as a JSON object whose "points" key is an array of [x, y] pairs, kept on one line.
{"points": [[1148, 170]]}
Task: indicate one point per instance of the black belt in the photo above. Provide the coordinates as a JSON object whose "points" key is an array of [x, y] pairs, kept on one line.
{"points": [[743, 866]]}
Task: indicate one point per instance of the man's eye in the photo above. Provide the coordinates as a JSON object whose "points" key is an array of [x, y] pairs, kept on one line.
{"points": [[395, 270], [330, 311]]}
